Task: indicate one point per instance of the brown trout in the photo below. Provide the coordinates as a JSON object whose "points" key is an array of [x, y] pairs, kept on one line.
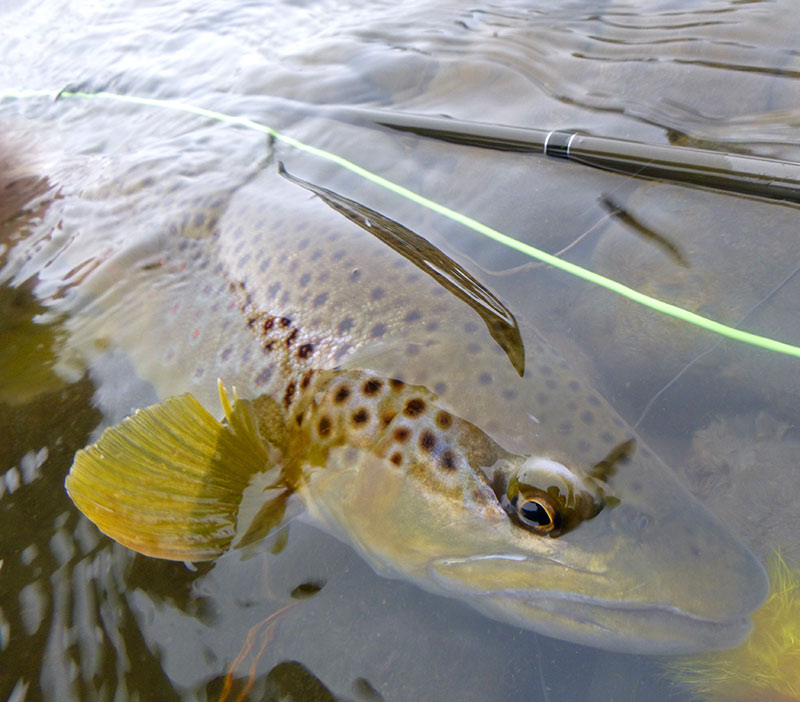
{"points": [[409, 411]]}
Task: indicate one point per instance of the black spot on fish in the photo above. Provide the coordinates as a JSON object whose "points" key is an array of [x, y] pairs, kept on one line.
{"points": [[396, 458], [269, 346], [551, 384], [565, 428], [274, 289], [402, 434], [305, 279], [360, 416], [342, 394], [378, 331], [371, 386], [414, 407], [285, 321], [440, 388], [396, 384], [573, 385], [289, 394], [448, 460], [427, 441], [305, 351], [432, 326], [388, 417], [324, 427], [412, 316], [320, 300], [290, 339], [306, 379], [377, 293], [587, 417], [269, 323], [345, 325], [485, 378], [444, 420]]}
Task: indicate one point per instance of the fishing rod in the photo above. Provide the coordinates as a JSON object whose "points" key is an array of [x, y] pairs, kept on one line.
{"points": [[748, 175], [378, 117]]}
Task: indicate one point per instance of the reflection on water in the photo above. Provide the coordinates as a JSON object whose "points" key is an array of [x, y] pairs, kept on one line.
{"points": [[82, 618]]}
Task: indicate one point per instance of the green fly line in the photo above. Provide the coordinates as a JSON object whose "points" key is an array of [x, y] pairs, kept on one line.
{"points": [[571, 268]]}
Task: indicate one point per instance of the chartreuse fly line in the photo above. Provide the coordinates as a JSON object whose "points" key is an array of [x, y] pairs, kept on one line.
{"points": [[571, 268]]}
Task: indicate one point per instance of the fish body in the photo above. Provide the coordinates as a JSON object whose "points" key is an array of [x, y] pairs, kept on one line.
{"points": [[405, 421]]}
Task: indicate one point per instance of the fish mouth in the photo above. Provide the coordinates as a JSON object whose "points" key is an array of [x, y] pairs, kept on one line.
{"points": [[620, 625]]}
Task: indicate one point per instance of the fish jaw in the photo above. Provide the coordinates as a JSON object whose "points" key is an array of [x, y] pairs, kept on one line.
{"points": [[637, 608], [614, 583], [614, 626]]}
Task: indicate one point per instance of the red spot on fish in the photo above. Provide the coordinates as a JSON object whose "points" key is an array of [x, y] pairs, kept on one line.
{"points": [[174, 308], [196, 332], [182, 268]]}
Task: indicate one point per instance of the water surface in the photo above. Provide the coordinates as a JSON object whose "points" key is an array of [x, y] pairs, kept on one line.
{"points": [[83, 618]]}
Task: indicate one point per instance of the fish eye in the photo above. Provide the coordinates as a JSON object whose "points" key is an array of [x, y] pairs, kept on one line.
{"points": [[538, 513]]}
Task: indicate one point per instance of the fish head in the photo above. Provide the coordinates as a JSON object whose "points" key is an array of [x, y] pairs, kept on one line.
{"points": [[612, 553]]}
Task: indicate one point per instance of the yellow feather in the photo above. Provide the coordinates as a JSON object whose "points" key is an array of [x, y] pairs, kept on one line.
{"points": [[766, 667]]}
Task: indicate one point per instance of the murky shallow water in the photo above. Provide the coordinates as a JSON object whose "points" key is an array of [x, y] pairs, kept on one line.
{"points": [[82, 618]]}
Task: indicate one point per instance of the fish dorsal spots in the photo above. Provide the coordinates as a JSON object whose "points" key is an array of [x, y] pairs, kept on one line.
{"points": [[447, 460], [444, 419], [402, 434], [371, 387], [427, 440], [414, 407], [360, 417], [324, 427]]}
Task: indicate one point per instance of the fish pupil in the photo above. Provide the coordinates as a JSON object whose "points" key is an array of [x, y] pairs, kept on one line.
{"points": [[534, 513]]}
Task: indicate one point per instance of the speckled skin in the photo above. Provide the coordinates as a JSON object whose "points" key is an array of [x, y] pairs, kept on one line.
{"points": [[402, 414]]}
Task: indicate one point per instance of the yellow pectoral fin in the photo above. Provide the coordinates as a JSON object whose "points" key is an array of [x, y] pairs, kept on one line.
{"points": [[168, 480]]}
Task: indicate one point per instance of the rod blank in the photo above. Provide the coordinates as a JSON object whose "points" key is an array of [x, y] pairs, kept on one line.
{"points": [[749, 175]]}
